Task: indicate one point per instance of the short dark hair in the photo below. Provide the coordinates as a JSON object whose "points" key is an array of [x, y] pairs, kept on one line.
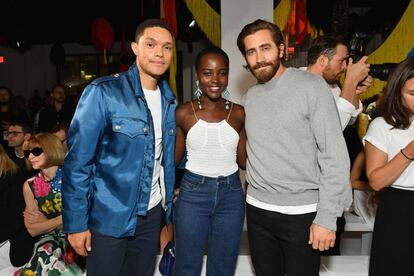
{"points": [[60, 126], [392, 107], [59, 85], [256, 26], [8, 90], [325, 45], [211, 50], [150, 23], [26, 127]]}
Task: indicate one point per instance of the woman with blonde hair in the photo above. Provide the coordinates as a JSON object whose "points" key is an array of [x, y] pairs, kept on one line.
{"points": [[42, 216], [16, 244]]}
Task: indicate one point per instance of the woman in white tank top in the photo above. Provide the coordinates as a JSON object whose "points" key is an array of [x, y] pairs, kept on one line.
{"points": [[209, 211]]}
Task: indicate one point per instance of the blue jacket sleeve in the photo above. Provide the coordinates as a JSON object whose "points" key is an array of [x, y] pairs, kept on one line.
{"points": [[84, 137]]}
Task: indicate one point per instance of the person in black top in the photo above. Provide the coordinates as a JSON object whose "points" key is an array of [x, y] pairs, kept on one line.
{"points": [[8, 113], [17, 133], [60, 111], [13, 230]]}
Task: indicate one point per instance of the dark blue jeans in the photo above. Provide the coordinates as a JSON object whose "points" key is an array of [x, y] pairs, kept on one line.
{"points": [[127, 256], [211, 210]]}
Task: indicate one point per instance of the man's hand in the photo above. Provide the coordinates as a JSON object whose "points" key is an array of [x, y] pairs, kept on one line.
{"points": [[321, 238], [81, 242], [364, 85], [357, 72]]}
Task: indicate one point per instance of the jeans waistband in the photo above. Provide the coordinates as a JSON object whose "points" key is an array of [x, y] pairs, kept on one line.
{"points": [[202, 179]]}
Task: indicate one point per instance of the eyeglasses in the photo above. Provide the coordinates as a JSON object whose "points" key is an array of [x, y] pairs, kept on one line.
{"points": [[35, 151], [14, 133]]}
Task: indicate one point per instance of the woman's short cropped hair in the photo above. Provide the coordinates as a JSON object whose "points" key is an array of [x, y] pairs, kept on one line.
{"points": [[51, 145]]}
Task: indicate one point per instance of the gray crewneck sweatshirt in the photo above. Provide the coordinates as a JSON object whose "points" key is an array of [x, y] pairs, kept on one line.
{"points": [[296, 151]]}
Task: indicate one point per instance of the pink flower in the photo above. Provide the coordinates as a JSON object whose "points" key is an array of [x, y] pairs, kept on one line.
{"points": [[47, 248], [41, 187]]}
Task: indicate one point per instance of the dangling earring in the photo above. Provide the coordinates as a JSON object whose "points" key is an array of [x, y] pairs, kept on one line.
{"points": [[197, 94], [226, 95]]}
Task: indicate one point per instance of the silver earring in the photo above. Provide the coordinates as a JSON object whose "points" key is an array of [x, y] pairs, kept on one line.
{"points": [[198, 94], [198, 91], [226, 95]]}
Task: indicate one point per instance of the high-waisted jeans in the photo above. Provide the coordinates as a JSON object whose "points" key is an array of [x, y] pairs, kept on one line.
{"points": [[208, 210]]}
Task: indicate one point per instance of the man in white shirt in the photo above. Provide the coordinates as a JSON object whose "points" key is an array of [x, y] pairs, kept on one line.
{"points": [[328, 57]]}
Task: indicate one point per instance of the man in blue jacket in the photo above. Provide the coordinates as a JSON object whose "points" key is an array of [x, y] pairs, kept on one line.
{"points": [[119, 170]]}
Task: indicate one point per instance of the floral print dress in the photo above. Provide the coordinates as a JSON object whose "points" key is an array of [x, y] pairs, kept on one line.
{"points": [[50, 257]]}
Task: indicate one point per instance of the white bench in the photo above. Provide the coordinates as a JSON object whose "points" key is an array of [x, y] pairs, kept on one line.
{"points": [[330, 266], [355, 223]]}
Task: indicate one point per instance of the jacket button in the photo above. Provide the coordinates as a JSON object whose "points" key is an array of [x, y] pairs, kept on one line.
{"points": [[144, 130], [117, 127], [171, 131], [116, 75]]}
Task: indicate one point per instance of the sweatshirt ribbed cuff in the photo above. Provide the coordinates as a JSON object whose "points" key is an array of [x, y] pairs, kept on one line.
{"points": [[325, 219]]}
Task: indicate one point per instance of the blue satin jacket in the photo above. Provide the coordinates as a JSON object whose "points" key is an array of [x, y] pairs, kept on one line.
{"points": [[107, 173]]}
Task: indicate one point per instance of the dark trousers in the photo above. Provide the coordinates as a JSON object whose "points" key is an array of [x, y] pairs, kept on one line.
{"points": [[393, 238], [127, 256], [279, 243], [340, 229], [21, 247]]}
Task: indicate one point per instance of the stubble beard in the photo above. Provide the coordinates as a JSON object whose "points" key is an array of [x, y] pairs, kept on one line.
{"points": [[267, 73]]}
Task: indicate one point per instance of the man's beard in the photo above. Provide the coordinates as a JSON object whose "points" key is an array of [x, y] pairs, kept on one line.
{"points": [[329, 78], [267, 73]]}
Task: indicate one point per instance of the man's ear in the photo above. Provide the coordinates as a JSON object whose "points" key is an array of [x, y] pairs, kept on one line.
{"points": [[281, 50], [322, 61], [134, 47]]}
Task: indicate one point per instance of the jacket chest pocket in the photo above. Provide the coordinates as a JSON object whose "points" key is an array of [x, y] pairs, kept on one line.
{"points": [[130, 127]]}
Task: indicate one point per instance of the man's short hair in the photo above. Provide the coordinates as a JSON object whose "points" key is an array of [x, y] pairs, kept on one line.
{"points": [[256, 26], [59, 85], [26, 127], [8, 90], [150, 23], [324, 45], [60, 126]]}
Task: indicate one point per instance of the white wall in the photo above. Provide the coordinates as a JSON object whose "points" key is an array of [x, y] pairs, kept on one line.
{"points": [[24, 72], [189, 73], [235, 14], [32, 69]]}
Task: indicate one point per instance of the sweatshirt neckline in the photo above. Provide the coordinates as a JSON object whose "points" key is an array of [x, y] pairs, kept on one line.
{"points": [[271, 84]]}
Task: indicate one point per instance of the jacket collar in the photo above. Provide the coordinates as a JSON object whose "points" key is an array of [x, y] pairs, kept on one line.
{"points": [[136, 83]]}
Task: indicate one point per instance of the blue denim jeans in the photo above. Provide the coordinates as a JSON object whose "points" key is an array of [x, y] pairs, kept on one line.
{"points": [[208, 210]]}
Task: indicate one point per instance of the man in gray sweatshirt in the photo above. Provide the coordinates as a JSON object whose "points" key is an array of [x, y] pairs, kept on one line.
{"points": [[297, 167]]}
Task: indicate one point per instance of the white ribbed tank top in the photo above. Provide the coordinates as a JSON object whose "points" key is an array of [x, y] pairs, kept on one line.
{"points": [[212, 148]]}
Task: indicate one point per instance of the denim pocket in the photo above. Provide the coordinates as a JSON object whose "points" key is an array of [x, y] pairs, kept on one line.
{"points": [[235, 185], [188, 185]]}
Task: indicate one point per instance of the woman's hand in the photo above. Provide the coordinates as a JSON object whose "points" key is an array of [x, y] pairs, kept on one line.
{"points": [[33, 216], [409, 150]]}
